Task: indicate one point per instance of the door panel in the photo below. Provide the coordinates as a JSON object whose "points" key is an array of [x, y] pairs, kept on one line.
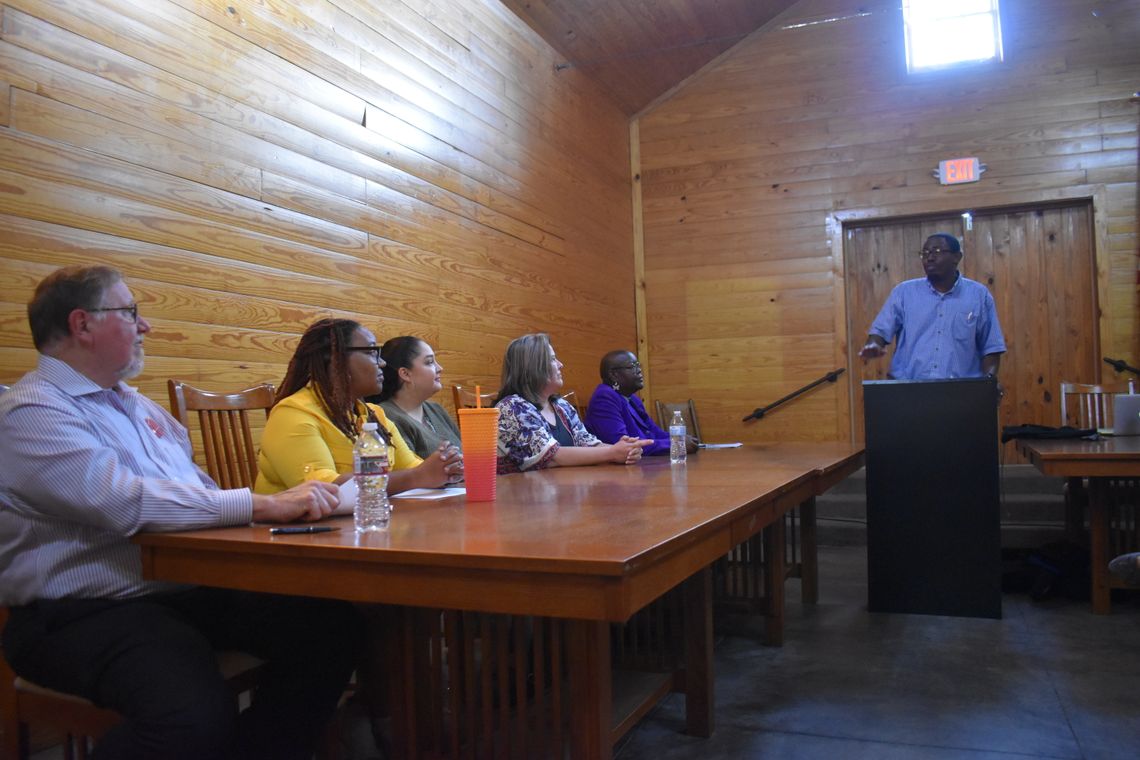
{"points": [[879, 256]]}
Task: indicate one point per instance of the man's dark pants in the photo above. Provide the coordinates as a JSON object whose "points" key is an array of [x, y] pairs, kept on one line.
{"points": [[153, 660]]}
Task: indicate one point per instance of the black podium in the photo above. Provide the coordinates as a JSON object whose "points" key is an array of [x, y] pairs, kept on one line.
{"points": [[933, 519]]}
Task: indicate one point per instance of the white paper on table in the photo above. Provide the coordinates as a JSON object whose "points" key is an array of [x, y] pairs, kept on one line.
{"points": [[719, 445], [348, 493], [430, 494]]}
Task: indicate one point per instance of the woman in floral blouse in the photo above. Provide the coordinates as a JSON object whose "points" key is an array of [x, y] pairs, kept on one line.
{"points": [[538, 429]]}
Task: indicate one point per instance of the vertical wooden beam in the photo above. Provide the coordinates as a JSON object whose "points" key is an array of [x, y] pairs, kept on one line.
{"points": [[1103, 274], [1099, 518], [774, 543], [591, 688], [5, 103], [639, 257], [700, 702], [809, 553], [401, 690], [844, 352]]}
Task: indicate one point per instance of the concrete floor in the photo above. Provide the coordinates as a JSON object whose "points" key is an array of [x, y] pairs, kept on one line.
{"points": [[1049, 680]]}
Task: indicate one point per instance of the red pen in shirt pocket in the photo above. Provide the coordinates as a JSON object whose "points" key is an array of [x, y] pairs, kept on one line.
{"points": [[158, 431]]}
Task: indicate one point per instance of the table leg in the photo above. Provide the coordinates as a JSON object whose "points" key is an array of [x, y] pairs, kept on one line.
{"points": [[1098, 544], [774, 542], [699, 675], [1076, 501], [399, 636], [809, 554], [591, 688]]}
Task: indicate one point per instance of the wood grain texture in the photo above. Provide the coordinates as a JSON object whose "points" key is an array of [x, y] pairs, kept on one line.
{"points": [[639, 49], [254, 166], [749, 171]]}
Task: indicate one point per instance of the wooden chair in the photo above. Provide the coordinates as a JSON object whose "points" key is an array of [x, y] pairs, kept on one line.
{"points": [[571, 398], [464, 397], [1085, 405], [688, 412], [80, 723], [223, 418], [1088, 405], [25, 704]]}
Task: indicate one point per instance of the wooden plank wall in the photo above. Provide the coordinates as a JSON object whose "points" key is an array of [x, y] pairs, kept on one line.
{"points": [[746, 169], [253, 165]]}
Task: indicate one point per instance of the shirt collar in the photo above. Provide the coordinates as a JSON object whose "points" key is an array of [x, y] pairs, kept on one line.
{"points": [[937, 292], [71, 381]]}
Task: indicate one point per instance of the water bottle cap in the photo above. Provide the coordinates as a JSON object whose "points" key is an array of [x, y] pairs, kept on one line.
{"points": [[369, 426]]}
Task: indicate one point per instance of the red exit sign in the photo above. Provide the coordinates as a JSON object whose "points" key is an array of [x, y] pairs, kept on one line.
{"points": [[954, 171]]}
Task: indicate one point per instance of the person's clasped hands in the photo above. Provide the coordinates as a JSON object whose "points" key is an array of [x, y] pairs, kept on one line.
{"points": [[447, 462], [628, 449]]}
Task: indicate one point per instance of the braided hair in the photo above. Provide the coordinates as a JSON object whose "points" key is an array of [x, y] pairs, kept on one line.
{"points": [[321, 359]]}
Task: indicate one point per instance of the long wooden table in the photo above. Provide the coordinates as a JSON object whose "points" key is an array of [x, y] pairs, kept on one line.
{"points": [[587, 546], [1102, 462]]}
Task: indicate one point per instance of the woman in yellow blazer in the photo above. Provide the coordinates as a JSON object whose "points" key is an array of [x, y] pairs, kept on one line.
{"points": [[319, 410]]}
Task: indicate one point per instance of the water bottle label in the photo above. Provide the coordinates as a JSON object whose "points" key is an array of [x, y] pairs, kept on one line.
{"points": [[369, 466], [677, 430]]}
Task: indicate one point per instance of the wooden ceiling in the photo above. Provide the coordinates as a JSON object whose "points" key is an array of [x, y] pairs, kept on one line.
{"points": [[639, 49]]}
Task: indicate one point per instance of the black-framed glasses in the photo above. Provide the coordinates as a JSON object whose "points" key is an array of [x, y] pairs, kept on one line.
{"points": [[635, 365], [374, 350], [936, 252], [132, 310]]}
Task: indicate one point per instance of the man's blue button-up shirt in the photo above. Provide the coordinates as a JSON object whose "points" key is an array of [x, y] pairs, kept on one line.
{"points": [[940, 335]]}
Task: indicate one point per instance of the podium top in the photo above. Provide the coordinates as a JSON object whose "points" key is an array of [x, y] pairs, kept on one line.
{"points": [[984, 379]]}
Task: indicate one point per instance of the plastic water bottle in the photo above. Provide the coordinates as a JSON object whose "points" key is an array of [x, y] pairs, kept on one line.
{"points": [[677, 439], [370, 470]]}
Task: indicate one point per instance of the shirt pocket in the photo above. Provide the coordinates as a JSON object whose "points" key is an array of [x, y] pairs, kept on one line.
{"points": [[964, 325]]}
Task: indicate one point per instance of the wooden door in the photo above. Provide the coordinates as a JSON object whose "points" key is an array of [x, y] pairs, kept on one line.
{"points": [[1039, 265]]}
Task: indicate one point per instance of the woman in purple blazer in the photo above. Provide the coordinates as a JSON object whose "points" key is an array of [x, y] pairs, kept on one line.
{"points": [[615, 411]]}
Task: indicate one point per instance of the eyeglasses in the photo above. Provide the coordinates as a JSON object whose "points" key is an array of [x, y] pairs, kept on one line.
{"points": [[925, 254], [374, 350], [132, 310], [635, 365]]}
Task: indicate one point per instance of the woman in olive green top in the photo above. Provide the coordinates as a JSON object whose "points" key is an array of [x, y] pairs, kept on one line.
{"points": [[411, 378]]}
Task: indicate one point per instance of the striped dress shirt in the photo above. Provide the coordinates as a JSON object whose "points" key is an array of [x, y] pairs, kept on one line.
{"points": [[83, 468]]}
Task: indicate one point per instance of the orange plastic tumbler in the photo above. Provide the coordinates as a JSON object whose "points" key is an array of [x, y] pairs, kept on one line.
{"points": [[479, 429]]}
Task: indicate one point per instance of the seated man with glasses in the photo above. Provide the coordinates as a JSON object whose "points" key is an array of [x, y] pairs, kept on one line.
{"points": [[616, 411], [88, 463], [946, 324]]}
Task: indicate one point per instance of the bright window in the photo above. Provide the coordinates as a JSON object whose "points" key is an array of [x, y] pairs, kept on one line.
{"points": [[941, 33]]}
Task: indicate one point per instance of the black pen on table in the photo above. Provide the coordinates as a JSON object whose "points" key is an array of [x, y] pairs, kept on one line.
{"points": [[290, 529]]}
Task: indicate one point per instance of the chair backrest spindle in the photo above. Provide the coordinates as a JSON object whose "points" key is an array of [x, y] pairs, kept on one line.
{"points": [[464, 397], [688, 411], [227, 436], [1089, 405]]}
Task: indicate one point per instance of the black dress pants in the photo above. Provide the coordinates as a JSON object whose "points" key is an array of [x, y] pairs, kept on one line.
{"points": [[152, 660]]}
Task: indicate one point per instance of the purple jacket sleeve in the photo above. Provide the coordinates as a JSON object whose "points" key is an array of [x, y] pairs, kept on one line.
{"points": [[610, 416]]}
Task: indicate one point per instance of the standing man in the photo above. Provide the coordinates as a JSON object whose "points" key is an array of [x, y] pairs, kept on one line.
{"points": [[89, 462], [946, 324]]}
